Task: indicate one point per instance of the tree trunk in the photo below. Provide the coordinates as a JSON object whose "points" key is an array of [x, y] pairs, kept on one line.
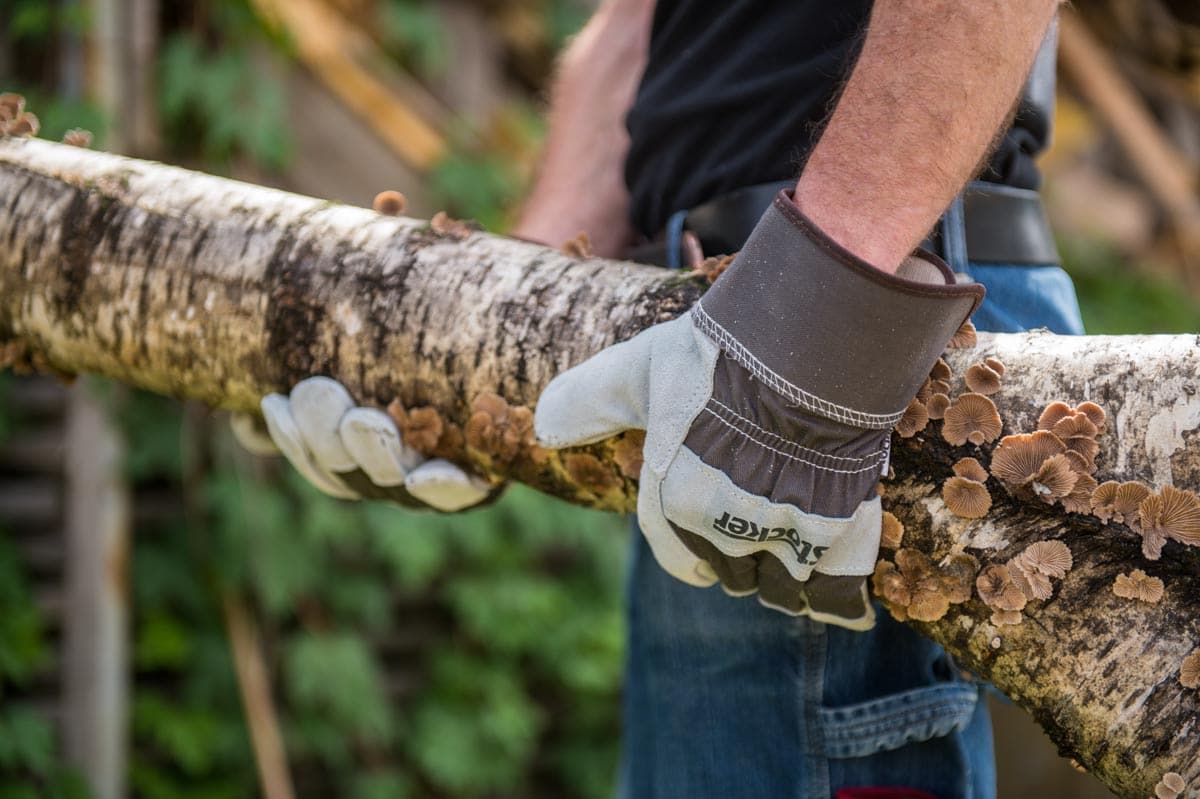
{"points": [[200, 287]]}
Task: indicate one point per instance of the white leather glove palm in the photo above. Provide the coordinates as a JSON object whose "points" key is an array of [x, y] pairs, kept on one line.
{"points": [[351, 452]]}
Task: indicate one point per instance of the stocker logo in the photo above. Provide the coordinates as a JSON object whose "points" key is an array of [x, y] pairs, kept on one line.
{"points": [[736, 527]]}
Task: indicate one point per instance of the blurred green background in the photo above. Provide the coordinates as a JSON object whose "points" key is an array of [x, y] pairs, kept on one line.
{"points": [[409, 655]]}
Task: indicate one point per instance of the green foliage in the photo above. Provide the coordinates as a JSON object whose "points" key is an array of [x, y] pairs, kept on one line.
{"points": [[1116, 298], [219, 105], [414, 34]]}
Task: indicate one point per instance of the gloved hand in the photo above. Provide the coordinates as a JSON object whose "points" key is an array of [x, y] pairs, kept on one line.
{"points": [[768, 410], [353, 453]]}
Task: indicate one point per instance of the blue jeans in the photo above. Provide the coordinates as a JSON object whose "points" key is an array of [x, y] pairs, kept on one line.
{"points": [[727, 699]]}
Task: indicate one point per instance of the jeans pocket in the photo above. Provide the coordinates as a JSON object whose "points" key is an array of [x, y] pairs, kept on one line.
{"points": [[893, 721]]}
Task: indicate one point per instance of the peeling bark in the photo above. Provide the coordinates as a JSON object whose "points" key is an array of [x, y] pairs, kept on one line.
{"points": [[195, 286]]}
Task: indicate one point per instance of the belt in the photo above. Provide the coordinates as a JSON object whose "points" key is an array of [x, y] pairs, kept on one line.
{"points": [[998, 224]]}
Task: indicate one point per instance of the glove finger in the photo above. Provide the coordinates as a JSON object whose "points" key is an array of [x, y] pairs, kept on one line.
{"points": [[840, 600], [318, 405], [373, 441], [360, 481], [777, 588], [600, 397], [738, 576], [286, 434], [446, 487], [670, 552], [252, 434]]}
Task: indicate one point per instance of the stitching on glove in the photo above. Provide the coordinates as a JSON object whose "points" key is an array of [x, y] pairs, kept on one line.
{"points": [[781, 386], [874, 467], [872, 461]]}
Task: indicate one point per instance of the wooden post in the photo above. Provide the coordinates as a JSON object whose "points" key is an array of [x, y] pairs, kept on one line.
{"points": [[96, 640]]}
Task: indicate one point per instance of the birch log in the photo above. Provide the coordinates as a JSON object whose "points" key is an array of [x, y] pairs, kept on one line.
{"points": [[200, 287]]}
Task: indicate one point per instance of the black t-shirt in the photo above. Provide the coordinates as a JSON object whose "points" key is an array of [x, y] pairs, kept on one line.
{"points": [[735, 93]]}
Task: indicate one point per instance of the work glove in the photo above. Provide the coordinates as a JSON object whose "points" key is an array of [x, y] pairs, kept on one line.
{"points": [[768, 410], [352, 452]]}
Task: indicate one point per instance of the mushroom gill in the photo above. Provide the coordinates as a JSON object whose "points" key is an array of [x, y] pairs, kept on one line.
{"points": [[1078, 434], [1054, 479], [1170, 786], [965, 337], [1032, 583], [1094, 413], [1001, 618], [914, 588], [1172, 513], [1118, 502], [973, 418], [1017, 459], [1138, 585], [914, 419], [995, 364], [966, 498], [1051, 558], [1080, 498], [1189, 670]]}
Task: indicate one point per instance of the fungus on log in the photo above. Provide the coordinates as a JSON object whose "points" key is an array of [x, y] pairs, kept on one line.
{"points": [[194, 286]]}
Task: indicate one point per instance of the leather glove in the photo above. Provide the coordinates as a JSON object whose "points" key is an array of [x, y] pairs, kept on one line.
{"points": [[351, 452], [768, 410]]}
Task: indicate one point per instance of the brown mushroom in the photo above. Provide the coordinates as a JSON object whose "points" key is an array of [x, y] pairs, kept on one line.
{"points": [[713, 267], [937, 405], [1018, 458], [590, 472], [578, 247], [1054, 480], [890, 586], [1118, 502], [1170, 786], [1051, 558], [924, 392], [389, 203], [982, 379], [996, 365], [892, 531], [498, 430], [1093, 412], [970, 469], [914, 419], [26, 124], [997, 589], [1053, 413], [940, 371], [1081, 464], [914, 588], [973, 418], [11, 105], [939, 387], [420, 427], [1138, 585], [1080, 498], [965, 337], [78, 137], [1189, 670], [958, 577], [966, 498], [627, 452], [1001, 618], [1172, 513], [445, 225], [1032, 583], [1078, 434]]}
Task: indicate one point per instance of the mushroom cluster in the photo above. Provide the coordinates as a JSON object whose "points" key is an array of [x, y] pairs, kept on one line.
{"points": [[971, 418], [499, 430], [14, 119], [916, 588], [983, 379], [892, 532], [1138, 585], [1172, 514], [1170, 786], [1055, 463], [424, 429]]}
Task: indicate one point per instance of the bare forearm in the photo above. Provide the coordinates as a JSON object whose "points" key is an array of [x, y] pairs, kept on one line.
{"points": [[933, 85], [580, 184]]}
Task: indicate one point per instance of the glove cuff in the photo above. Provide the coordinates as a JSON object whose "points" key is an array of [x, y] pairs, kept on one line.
{"points": [[825, 329]]}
